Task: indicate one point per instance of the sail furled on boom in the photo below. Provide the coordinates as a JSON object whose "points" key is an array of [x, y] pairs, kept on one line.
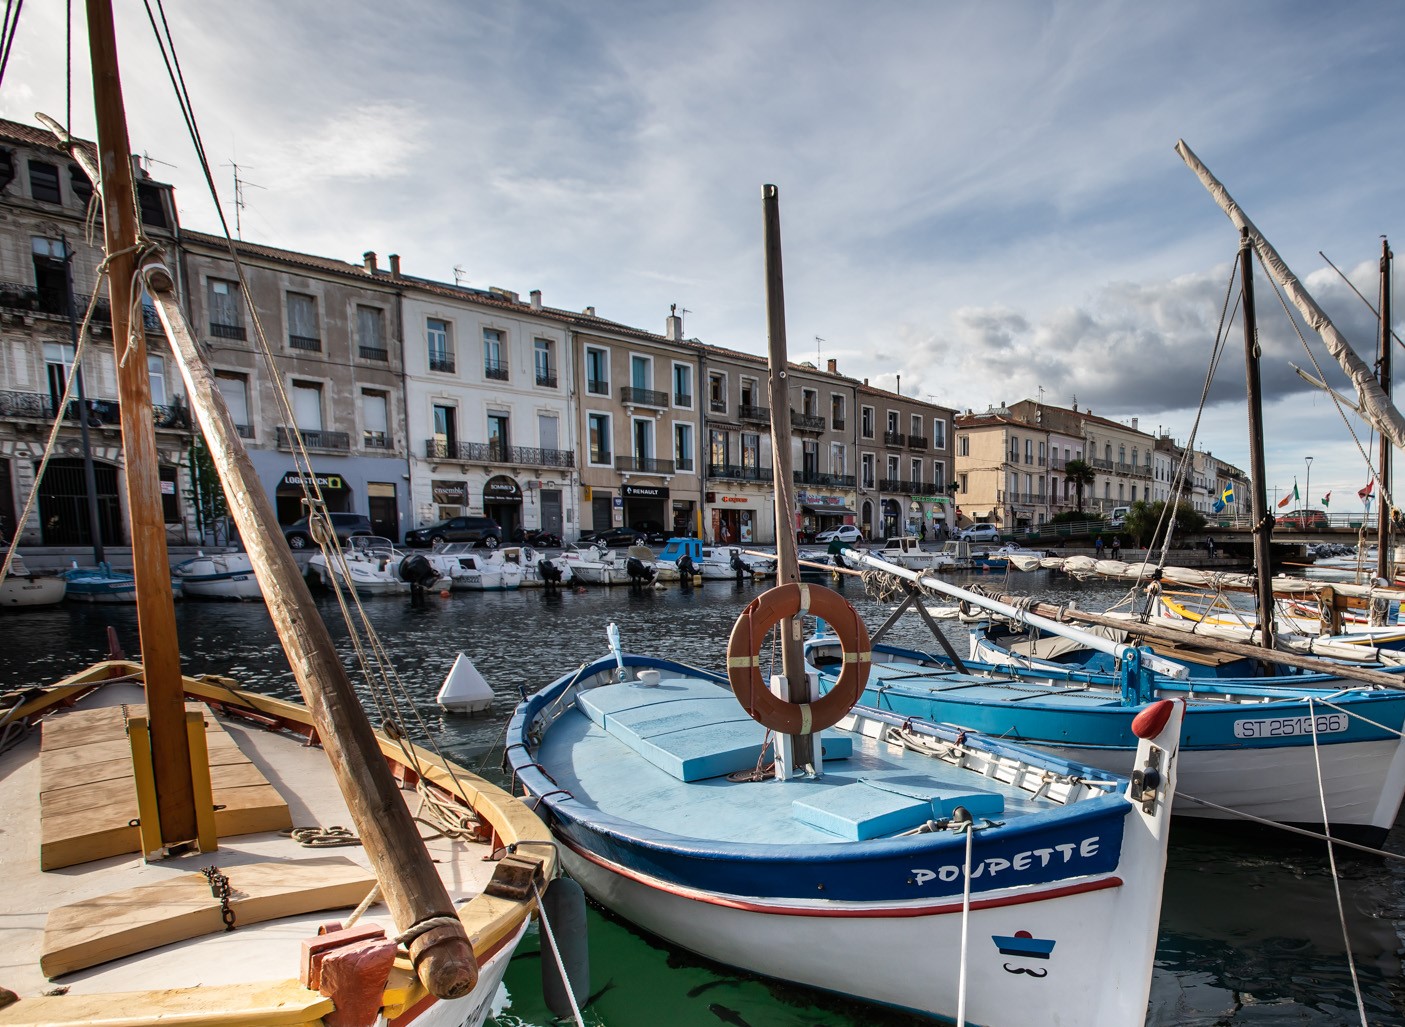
{"points": [[1375, 404]]}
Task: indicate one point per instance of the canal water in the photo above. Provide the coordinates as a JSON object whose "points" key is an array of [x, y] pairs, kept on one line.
{"points": [[1250, 932]]}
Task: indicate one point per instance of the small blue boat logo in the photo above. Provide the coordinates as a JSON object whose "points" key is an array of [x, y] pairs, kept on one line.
{"points": [[1024, 945]]}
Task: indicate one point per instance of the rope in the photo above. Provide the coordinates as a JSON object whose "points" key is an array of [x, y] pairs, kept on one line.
{"points": [[1332, 860], [556, 954], [366, 904], [432, 923], [1318, 835], [965, 922]]}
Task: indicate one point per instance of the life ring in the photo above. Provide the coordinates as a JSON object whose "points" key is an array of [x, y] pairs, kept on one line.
{"points": [[744, 658]]}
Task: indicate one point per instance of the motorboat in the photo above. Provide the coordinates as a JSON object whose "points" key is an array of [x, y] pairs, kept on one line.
{"points": [[471, 568], [218, 576], [21, 587], [373, 567]]}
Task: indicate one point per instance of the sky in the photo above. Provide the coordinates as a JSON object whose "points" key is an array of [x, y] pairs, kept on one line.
{"points": [[980, 203]]}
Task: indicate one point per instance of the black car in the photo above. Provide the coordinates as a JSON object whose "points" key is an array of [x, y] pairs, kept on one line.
{"points": [[482, 530], [299, 534], [612, 538], [653, 532]]}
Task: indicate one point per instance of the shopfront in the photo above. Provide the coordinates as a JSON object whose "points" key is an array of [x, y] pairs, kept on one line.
{"points": [[735, 518], [932, 516], [819, 513], [646, 507], [502, 501], [450, 498], [290, 493]]}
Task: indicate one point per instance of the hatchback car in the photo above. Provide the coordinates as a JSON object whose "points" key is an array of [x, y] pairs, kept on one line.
{"points": [[612, 538], [846, 533], [481, 530], [1304, 520], [981, 533], [346, 525]]}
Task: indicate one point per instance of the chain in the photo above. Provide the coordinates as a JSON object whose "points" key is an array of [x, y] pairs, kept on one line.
{"points": [[219, 888]]}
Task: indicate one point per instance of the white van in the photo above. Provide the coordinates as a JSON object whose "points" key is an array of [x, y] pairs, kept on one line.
{"points": [[1118, 516]]}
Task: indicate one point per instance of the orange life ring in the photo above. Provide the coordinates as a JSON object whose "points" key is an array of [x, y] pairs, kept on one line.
{"points": [[744, 658]]}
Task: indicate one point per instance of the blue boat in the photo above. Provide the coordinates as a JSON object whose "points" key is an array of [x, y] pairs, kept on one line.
{"points": [[100, 584]]}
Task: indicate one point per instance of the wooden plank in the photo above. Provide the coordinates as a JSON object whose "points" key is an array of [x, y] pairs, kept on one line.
{"points": [[96, 930], [250, 809], [271, 1004]]}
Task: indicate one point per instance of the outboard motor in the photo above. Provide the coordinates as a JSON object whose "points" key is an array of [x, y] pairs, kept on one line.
{"points": [[550, 573], [738, 565], [686, 570], [420, 574], [639, 572]]}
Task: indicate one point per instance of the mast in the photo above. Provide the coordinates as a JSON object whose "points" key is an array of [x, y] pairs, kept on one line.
{"points": [[90, 478], [1383, 523], [1263, 521], [787, 559], [151, 566]]}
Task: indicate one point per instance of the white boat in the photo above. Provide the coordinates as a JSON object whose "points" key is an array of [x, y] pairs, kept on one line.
{"points": [[464, 689], [218, 576], [373, 567], [595, 565], [727, 563], [907, 551], [475, 570], [538, 570], [22, 588]]}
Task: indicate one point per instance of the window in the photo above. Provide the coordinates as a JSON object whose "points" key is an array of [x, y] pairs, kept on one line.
{"points": [[44, 182], [494, 362], [718, 452], [641, 372], [938, 433], [866, 462], [836, 411], [810, 459], [307, 405], [79, 185], [809, 402], [837, 462], [303, 332], [156, 372], [1029, 451], [866, 422], [750, 393], [153, 211], [234, 389], [370, 333], [683, 446], [751, 452], [597, 372], [965, 484], [643, 433], [446, 431], [682, 386], [893, 468], [497, 435], [963, 444], [549, 432], [543, 363], [598, 430], [717, 393], [226, 309], [441, 348], [938, 476], [375, 419], [1041, 454], [917, 425], [916, 472], [50, 275]]}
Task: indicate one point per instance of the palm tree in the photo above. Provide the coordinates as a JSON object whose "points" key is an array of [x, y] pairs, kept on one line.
{"points": [[1081, 473]]}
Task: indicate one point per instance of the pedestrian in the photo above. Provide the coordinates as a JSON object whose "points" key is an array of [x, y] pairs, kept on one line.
{"points": [[1116, 546], [1098, 546], [1210, 545], [922, 531]]}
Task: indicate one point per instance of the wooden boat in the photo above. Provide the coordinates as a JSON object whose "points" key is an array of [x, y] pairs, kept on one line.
{"points": [[218, 576], [20, 588], [144, 852], [100, 584]]}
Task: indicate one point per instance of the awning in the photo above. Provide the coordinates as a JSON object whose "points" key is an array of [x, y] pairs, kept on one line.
{"points": [[827, 509]]}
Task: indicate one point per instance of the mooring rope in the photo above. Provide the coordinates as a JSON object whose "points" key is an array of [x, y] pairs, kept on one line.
{"points": [[970, 829], [556, 954]]}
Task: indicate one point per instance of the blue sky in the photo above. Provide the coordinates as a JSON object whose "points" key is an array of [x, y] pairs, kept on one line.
{"points": [[981, 198]]}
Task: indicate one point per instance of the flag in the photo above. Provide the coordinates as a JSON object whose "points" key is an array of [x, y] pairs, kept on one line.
{"points": [[1365, 493], [1296, 497], [1219, 505], [1327, 499], [1227, 496], [1285, 501]]}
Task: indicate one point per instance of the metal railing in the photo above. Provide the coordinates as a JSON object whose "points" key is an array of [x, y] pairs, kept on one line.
{"points": [[836, 424], [903, 485], [546, 379], [224, 331], [916, 442], [683, 399], [441, 362], [644, 465], [833, 481], [717, 406], [748, 412], [894, 438], [494, 453], [738, 472], [495, 370], [375, 353], [806, 422], [307, 342], [597, 386], [376, 440], [315, 439], [643, 397]]}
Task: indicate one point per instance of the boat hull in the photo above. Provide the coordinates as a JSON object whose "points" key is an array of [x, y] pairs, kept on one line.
{"points": [[32, 591], [222, 577]]}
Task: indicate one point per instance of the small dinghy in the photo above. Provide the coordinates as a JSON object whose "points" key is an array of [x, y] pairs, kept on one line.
{"points": [[21, 588], [464, 689]]}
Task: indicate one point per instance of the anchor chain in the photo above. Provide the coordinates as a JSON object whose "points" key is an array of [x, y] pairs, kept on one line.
{"points": [[219, 888]]}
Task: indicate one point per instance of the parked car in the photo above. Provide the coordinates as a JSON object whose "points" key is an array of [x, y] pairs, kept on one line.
{"points": [[483, 531], [981, 533], [346, 525], [539, 537], [1304, 520], [654, 533], [846, 533], [612, 538], [1118, 517]]}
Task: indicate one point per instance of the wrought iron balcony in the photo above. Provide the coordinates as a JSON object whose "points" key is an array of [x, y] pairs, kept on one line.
{"points": [[894, 438], [904, 486], [441, 362], [643, 397], [546, 379], [598, 386], [315, 439], [806, 422], [836, 423], [495, 370], [374, 353], [832, 481], [224, 331], [377, 440], [916, 442], [717, 406], [307, 342], [643, 465], [493, 453], [684, 465], [750, 412], [683, 399], [739, 473]]}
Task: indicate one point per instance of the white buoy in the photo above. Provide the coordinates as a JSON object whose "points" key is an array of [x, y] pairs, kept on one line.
{"points": [[465, 690]]}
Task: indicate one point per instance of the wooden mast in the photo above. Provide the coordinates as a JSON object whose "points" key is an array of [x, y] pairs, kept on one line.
{"points": [[1263, 521], [787, 558], [151, 567], [1383, 522], [411, 886]]}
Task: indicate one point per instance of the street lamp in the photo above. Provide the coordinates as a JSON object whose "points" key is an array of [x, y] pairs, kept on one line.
{"points": [[1307, 491]]}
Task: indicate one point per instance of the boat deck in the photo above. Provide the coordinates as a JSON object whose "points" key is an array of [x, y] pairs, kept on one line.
{"points": [[262, 866], [975, 688], [660, 757]]}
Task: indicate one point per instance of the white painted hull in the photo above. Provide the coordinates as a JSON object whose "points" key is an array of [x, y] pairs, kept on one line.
{"points": [[488, 581], [36, 591], [473, 1009], [226, 576]]}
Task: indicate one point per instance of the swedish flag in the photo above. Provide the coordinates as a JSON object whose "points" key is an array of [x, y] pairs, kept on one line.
{"points": [[1227, 496]]}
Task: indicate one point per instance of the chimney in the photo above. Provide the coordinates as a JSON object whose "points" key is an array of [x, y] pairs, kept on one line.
{"points": [[673, 324], [536, 295], [1134, 424], [369, 257], [138, 171], [833, 366], [589, 311], [865, 381], [899, 389], [395, 265]]}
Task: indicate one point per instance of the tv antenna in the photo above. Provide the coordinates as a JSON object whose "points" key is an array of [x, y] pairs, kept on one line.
{"points": [[460, 275], [818, 343], [239, 185]]}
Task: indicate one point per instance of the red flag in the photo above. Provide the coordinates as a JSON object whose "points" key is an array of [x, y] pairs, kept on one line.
{"points": [[1365, 493], [1285, 501]]}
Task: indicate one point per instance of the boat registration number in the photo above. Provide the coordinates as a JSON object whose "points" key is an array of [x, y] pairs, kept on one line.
{"points": [[1287, 727]]}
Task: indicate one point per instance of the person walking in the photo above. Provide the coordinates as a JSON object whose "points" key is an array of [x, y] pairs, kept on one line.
{"points": [[1098, 546], [1210, 545], [1116, 547]]}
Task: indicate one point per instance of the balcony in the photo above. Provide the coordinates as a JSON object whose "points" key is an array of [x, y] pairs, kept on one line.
{"points": [[904, 486], [739, 473], [717, 406], [494, 370], [894, 438], [305, 342], [597, 386], [836, 423], [315, 439], [375, 353], [916, 442], [441, 362], [39, 406], [633, 396], [683, 399], [224, 331], [830, 481], [246, 431], [684, 465], [546, 379], [748, 412], [494, 453], [806, 422], [643, 465], [377, 440]]}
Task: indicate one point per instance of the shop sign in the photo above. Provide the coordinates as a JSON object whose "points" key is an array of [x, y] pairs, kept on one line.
{"points": [[645, 491], [325, 481], [448, 493], [736, 499], [807, 499], [500, 487], [939, 500]]}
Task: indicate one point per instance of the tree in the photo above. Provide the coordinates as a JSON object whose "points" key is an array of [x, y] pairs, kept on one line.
{"points": [[206, 491], [1143, 518], [1081, 473]]}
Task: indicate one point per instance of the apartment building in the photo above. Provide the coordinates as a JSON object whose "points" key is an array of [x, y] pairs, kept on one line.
{"points": [[47, 269], [1001, 464], [906, 483]]}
